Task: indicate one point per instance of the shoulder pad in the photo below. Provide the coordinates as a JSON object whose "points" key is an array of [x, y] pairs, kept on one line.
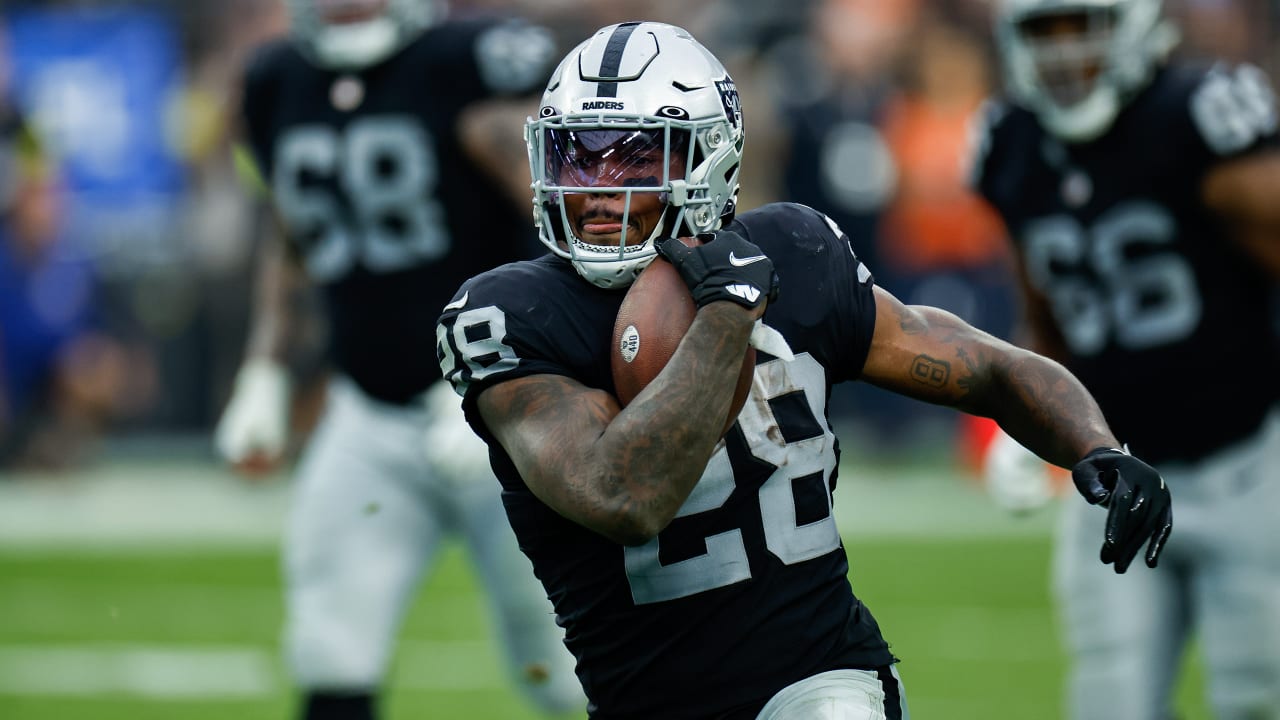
{"points": [[982, 127], [1233, 108], [515, 57]]}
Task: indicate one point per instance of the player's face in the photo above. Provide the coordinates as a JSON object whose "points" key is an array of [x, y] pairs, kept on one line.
{"points": [[1069, 50], [343, 12], [621, 159]]}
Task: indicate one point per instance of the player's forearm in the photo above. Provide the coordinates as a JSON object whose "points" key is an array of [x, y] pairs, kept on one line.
{"points": [[1035, 399], [277, 278], [656, 449], [623, 473], [485, 133], [1040, 404], [1242, 192]]}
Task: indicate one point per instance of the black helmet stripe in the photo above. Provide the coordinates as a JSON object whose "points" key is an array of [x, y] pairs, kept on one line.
{"points": [[612, 60]]}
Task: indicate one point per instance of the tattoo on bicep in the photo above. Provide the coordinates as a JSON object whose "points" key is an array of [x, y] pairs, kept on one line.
{"points": [[910, 322], [930, 371], [967, 382]]}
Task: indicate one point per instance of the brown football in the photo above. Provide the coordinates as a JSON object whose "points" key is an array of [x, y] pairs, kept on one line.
{"points": [[655, 314]]}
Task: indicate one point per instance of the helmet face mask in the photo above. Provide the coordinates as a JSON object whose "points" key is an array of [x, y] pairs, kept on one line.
{"points": [[1075, 63], [650, 146], [354, 34], [584, 168], [1068, 52]]}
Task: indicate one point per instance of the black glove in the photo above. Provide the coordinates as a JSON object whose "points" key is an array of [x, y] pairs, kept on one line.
{"points": [[1137, 499], [726, 266]]}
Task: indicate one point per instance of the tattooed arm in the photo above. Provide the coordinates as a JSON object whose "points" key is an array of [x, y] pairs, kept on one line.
{"points": [[624, 472], [931, 355]]}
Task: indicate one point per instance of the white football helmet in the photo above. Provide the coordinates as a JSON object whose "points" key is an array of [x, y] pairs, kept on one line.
{"points": [[377, 29], [1077, 84], [636, 85]]}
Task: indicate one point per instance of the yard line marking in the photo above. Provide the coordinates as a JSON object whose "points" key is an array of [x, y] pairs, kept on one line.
{"points": [[154, 671], [222, 672]]}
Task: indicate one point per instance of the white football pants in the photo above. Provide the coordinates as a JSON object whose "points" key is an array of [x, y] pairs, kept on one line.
{"points": [[840, 695], [1219, 578], [369, 514]]}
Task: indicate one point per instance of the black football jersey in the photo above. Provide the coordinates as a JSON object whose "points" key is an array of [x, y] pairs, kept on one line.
{"points": [[746, 590], [1165, 321], [383, 207]]}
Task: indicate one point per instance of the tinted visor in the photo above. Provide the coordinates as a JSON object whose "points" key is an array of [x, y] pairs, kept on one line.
{"points": [[622, 158]]}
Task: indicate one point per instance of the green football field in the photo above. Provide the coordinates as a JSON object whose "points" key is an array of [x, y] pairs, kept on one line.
{"points": [[163, 629]]}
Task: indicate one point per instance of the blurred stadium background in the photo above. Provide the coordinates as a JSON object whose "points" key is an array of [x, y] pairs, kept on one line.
{"points": [[138, 577]]}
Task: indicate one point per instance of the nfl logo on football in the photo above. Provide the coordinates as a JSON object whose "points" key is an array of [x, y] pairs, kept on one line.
{"points": [[629, 345]]}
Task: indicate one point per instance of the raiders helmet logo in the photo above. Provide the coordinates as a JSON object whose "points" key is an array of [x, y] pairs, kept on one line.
{"points": [[729, 98]]}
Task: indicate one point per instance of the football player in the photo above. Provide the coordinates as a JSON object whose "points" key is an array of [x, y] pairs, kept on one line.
{"points": [[701, 576], [1140, 195], [364, 125]]}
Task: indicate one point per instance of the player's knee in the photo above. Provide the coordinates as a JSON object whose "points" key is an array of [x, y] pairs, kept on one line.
{"points": [[1115, 685], [1247, 697], [1255, 709], [327, 655]]}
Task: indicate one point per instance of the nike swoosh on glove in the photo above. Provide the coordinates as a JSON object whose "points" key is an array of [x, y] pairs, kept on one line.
{"points": [[1138, 502], [726, 266]]}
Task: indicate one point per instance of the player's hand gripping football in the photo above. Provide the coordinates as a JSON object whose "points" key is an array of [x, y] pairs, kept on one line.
{"points": [[726, 266], [1138, 503]]}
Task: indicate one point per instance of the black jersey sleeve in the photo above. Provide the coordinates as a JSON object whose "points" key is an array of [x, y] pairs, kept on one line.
{"points": [[492, 57], [855, 305], [525, 318], [1220, 113], [825, 306], [989, 172], [482, 338]]}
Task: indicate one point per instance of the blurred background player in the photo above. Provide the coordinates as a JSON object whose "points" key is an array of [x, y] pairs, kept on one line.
{"points": [[1140, 195], [873, 100], [62, 376], [386, 169]]}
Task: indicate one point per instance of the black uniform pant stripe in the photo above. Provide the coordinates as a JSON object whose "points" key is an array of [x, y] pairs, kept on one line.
{"points": [[892, 693], [613, 58]]}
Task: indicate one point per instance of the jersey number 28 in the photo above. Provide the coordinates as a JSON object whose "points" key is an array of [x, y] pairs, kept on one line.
{"points": [[725, 561], [797, 455]]}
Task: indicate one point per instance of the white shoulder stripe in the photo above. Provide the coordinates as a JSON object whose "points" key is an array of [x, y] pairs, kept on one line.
{"points": [[863, 273], [459, 303]]}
